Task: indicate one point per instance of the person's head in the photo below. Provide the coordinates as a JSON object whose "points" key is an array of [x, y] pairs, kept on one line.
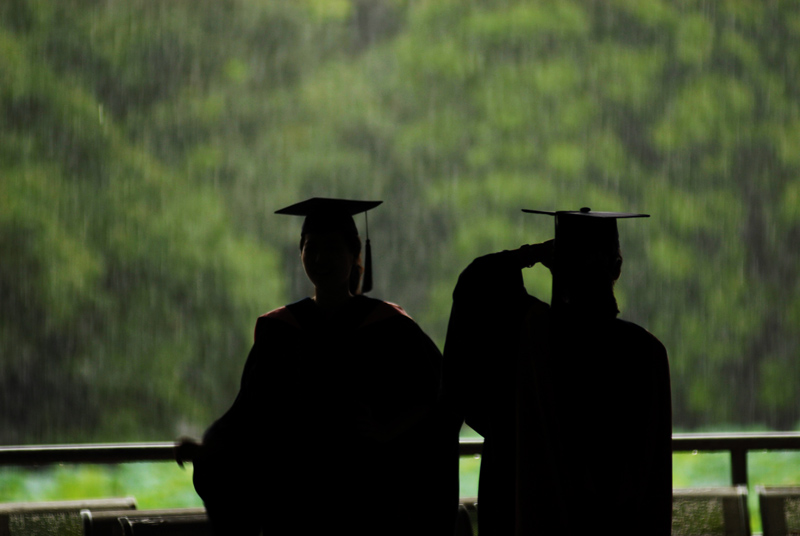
{"points": [[587, 263], [587, 259], [330, 246], [332, 259]]}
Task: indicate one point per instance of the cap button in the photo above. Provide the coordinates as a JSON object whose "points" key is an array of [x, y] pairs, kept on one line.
{"points": [[585, 210]]}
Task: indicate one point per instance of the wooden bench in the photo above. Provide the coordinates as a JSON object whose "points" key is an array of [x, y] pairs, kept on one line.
{"points": [[710, 511], [34, 518], [695, 512], [167, 525], [467, 520], [780, 510], [172, 521]]}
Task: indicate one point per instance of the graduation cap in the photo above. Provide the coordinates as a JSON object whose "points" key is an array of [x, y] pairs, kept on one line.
{"points": [[324, 215], [584, 228], [581, 234]]}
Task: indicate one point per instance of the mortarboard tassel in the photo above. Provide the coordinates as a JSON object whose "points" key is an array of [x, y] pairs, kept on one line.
{"points": [[366, 284]]}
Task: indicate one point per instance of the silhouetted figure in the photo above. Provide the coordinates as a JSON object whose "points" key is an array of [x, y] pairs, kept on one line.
{"points": [[573, 403], [337, 425]]}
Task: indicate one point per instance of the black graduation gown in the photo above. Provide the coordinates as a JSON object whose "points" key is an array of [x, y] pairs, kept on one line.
{"points": [[575, 413], [366, 382]]}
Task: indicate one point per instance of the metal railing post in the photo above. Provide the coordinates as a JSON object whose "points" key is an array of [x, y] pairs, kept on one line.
{"points": [[739, 466]]}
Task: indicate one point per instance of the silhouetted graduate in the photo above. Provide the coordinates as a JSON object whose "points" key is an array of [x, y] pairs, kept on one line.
{"points": [[337, 425], [573, 403]]}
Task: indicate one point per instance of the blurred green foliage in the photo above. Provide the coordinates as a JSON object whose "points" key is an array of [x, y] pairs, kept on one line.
{"points": [[153, 485], [144, 146]]}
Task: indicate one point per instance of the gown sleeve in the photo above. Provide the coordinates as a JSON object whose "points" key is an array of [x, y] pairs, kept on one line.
{"points": [[489, 304], [408, 435], [240, 433], [401, 370]]}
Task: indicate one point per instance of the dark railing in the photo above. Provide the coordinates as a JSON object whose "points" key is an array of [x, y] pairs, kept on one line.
{"points": [[738, 445]]}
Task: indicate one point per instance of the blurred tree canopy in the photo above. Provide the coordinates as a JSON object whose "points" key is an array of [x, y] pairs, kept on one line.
{"points": [[145, 144]]}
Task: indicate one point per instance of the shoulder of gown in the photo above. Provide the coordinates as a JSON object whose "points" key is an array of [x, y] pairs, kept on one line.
{"points": [[381, 310], [368, 312], [283, 315], [641, 337]]}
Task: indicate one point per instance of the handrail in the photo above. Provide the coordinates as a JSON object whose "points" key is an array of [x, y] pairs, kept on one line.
{"points": [[96, 453], [738, 444]]}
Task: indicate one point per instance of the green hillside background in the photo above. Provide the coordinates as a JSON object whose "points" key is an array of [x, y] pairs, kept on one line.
{"points": [[144, 146]]}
